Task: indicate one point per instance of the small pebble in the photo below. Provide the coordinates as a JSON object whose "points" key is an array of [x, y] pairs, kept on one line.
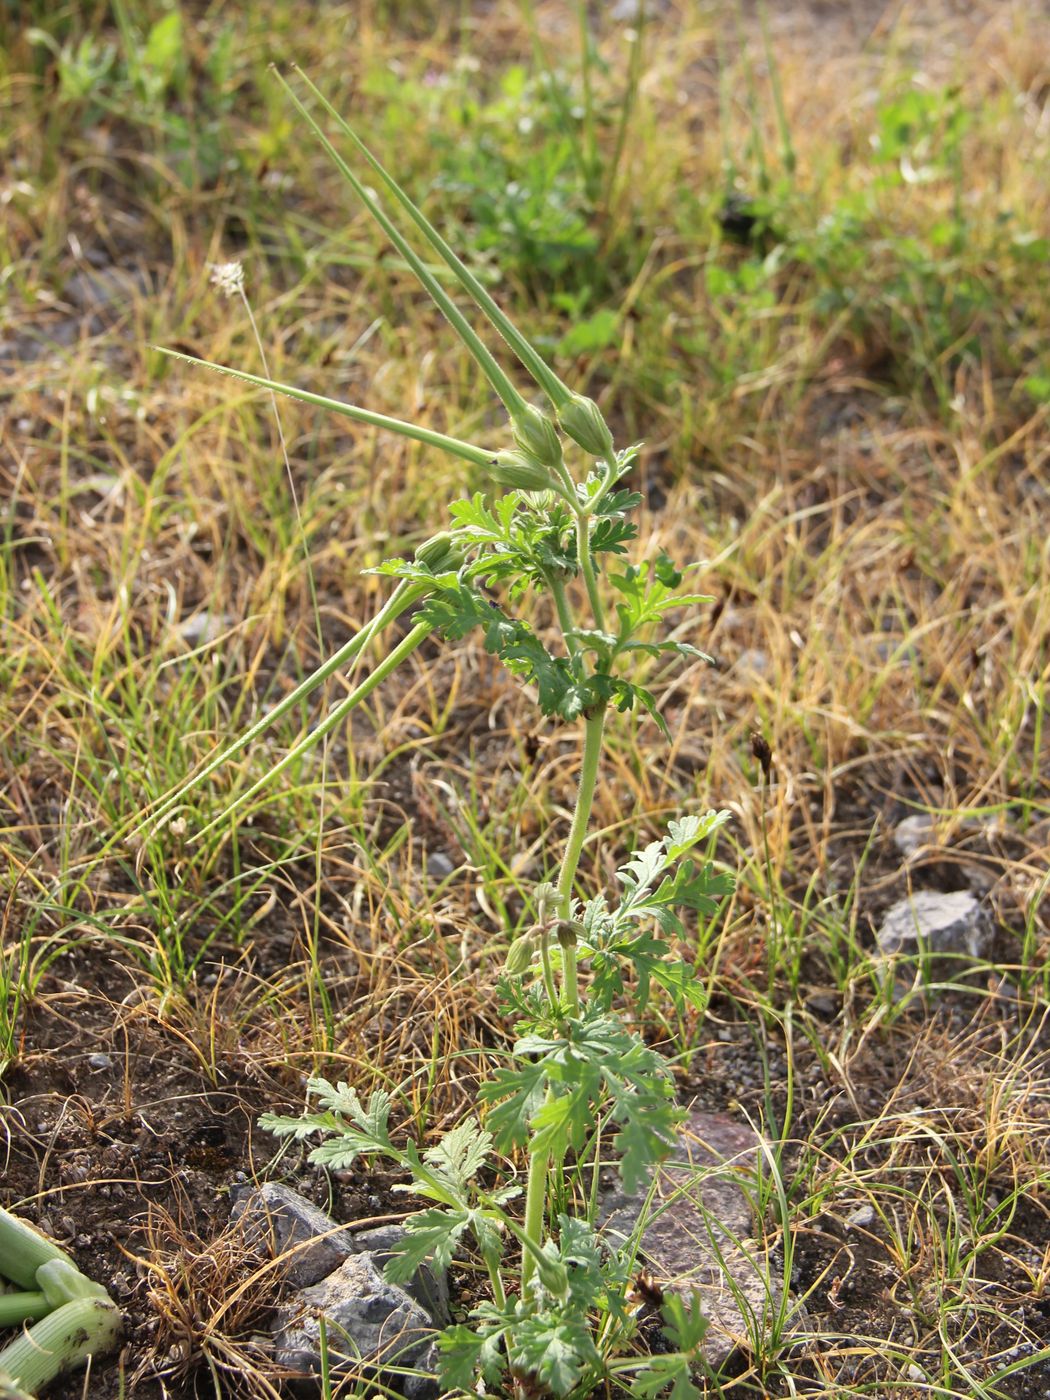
{"points": [[860, 1218], [439, 865], [100, 1062]]}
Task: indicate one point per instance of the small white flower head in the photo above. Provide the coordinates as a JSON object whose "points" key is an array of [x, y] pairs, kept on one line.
{"points": [[228, 278]]}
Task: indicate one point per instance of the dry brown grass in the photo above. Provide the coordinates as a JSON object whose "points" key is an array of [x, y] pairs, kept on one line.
{"points": [[874, 524]]}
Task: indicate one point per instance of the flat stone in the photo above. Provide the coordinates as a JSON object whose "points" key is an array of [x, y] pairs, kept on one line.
{"points": [[936, 923], [913, 833], [204, 627], [439, 865], [754, 661], [429, 1286], [93, 288], [699, 1239], [313, 1243], [370, 1326]]}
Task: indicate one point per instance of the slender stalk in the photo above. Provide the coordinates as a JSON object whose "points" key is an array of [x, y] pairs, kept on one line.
{"points": [[583, 554], [565, 622], [539, 1162], [465, 450], [548, 970], [499, 1296], [592, 749], [334, 718], [535, 1201], [403, 597]]}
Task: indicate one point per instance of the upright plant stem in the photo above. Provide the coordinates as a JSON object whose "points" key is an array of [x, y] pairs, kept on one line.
{"points": [[565, 621], [539, 1162], [535, 1200], [583, 554], [592, 752]]}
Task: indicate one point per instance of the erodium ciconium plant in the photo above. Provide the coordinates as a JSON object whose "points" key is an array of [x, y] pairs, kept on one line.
{"points": [[578, 1080]]}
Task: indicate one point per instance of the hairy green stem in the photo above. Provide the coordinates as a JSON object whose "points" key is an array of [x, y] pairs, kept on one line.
{"points": [[565, 622], [548, 971], [539, 1162], [535, 1202], [499, 1296], [332, 719], [592, 750], [583, 554]]}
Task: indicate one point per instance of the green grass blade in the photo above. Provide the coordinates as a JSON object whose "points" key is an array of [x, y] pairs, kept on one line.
{"points": [[558, 393], [464, 450]]}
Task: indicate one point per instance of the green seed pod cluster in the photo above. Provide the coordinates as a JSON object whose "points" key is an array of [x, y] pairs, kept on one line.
{"points": [[522, 472], [537, 437], [581, 419], [440, 553]]}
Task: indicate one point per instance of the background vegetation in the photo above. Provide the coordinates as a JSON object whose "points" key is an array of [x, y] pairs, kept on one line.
{"points": [[803, 255]]}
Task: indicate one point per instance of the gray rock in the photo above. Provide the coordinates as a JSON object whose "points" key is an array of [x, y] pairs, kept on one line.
{"points": [[935, 923], [93, 288], [439, 865], [913, 833], [699, 1236], [429, 1286], [860, 1218], [100, 1061], [204, 627], [311, 1240], [370, 1326], [754, 661]]}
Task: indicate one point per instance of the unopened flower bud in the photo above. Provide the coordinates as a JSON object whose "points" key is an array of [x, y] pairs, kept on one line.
{"points": [[524, 473], [519, 955], [582, 420], [440, 553], [569, 931], [537, 437]]}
